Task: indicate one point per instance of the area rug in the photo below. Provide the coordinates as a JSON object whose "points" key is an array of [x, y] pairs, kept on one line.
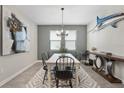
{"points": [[85, 81]]}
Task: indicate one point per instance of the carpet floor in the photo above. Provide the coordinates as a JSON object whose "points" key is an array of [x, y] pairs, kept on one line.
{"points": [[85, 81]]}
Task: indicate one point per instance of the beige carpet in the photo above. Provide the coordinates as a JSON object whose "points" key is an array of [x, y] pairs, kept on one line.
{"points": [[85, 81]]}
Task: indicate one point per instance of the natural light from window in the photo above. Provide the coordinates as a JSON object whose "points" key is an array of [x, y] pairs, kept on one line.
{"points": [[55, 41], [70, 40]]}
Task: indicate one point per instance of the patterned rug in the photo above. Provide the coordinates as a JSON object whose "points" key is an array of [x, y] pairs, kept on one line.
{"points": [[85, 81]]}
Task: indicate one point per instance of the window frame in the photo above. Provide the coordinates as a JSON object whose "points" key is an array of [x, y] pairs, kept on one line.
{"points": [[71, 49], [53, 40], [50, 45], [72, 40], [65, 41]]}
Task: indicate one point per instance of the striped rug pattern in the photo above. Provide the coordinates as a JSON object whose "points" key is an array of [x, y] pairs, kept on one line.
{"points": [[85, 81]]}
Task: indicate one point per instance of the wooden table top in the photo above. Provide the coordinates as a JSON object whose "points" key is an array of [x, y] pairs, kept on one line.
{"points": [[55, 56], [112, 57]]}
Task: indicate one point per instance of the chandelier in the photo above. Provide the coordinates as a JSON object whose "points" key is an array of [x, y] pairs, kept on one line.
{"points": [[62, 32]]}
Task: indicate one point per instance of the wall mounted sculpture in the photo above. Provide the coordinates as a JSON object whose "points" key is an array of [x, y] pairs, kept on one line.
{"points": [[14, 34], [110, 20]]}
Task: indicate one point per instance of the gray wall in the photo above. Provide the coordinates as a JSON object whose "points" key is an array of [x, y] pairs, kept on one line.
{"points": [[44, 36]]}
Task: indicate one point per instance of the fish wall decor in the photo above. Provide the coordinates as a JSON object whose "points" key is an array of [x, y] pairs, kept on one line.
{"points": [[110, 20]]}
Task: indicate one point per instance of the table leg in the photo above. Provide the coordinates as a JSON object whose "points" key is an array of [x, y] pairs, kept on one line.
{"points": [[109, 68], [106, 70], [101, 61], [49, 75], [108, 73]]}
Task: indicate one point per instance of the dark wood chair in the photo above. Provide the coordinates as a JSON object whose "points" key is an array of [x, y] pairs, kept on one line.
{"points": [[44, 58], [64, 70], [45, 67], [85, 55], [49, 54]]}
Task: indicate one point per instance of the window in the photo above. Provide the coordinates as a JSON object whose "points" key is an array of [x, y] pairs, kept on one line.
{"points": [[55, 41], [70, 40]]}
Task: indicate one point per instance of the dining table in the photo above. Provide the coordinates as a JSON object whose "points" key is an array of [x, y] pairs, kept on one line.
{"points": [[52, 61]]}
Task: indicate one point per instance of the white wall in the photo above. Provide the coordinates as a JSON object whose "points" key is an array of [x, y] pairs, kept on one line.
{"points": [[109, 39], [12, 64]]}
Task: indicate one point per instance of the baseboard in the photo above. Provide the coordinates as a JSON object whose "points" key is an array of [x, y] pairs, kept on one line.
{"points": [[16, 74]]}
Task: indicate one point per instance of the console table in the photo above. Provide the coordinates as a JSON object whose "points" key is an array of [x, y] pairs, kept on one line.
{"points": [[106, 61]]}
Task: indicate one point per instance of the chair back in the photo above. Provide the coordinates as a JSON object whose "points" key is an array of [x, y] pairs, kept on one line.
{"points": [[64, 67], [44, 58], [65, 63], [49, 53]]}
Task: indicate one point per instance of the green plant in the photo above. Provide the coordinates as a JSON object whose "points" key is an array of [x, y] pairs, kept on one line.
{"points": [[63, 50]]}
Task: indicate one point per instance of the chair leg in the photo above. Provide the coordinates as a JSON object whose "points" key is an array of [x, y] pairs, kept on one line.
{"points": [[79, 79], [70, 84], [57, 83], [44, 76]]}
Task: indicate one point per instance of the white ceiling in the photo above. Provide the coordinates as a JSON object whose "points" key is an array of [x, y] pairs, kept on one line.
{"points": [[51, 14]]}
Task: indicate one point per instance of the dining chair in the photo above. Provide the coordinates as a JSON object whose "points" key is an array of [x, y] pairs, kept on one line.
{"points": [[49, 54], [86, 55], [45, 67], [64, 70], [87, 59]]}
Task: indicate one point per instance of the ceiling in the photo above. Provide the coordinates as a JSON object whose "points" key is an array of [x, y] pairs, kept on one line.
{"points": [[51, 14]]}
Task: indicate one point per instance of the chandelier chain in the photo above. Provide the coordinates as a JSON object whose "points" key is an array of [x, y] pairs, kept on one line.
{"points": [[62, 18]]}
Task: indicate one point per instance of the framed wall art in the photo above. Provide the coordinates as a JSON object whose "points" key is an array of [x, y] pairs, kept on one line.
{"points": [[14, 33]]}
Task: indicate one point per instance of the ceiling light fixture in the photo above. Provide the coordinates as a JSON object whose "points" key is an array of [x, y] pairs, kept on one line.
{"points": [[62, 32]]}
